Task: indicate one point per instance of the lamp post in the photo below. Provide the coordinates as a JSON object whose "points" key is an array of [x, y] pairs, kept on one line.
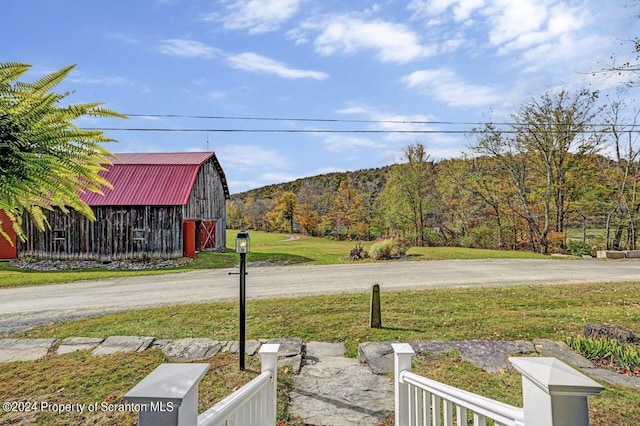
{"points": [[242, 247]]}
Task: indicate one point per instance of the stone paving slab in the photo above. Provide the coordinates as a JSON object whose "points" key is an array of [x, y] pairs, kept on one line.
{"points": [[313, 351], [564, 353], [288, 347], [339, 391], [24, 349], [290, 353], [251, 347], [491, 356], [612, 377], [191, 349], [73, 344], [116, 344], [378, 355]]}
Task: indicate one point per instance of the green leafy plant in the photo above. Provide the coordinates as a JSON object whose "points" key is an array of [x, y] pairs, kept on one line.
{"points": [[626, 356], [578, 248], [46, 161]]}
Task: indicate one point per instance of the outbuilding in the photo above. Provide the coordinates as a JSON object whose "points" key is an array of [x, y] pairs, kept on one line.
{"points": [[162, 205]]}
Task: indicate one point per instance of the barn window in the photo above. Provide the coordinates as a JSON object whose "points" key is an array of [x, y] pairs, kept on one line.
{"points": [[139, 235], [59, 235]]}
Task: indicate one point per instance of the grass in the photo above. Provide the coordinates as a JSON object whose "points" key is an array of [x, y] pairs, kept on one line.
{"points": [[106, 379], [521, 312], [524, 312], [271, 247]]}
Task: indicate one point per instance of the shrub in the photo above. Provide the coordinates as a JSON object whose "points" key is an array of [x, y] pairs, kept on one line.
{"points": [[402, 245], [358, 252], [383, 249], [578, 248], [555, 241], [482, 236]]}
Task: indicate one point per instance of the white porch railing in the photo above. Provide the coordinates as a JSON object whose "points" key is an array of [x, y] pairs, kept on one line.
{"points": [[254, 404], [554, 394], [168, 396]]}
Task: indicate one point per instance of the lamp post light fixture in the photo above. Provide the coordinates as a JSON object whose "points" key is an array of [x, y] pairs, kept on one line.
{"points": [[242, 247]]}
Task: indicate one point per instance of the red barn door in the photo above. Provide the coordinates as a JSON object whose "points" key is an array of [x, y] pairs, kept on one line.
{"points": [[7, 250]]}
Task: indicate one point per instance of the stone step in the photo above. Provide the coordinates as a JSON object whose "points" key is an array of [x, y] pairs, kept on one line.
{"points": [[338, 391]]}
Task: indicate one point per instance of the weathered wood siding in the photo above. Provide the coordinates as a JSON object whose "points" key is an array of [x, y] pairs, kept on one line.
{"points": [[119, 232], [127, 232], [207, 201]]}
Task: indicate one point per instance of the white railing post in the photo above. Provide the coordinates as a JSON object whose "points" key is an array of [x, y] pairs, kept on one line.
{"points": [[402, 354], [269, 360], [553, 393], [168, 396]]}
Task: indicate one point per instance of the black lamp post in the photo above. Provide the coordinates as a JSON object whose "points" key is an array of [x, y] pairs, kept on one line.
{"points": [[242, 247]]}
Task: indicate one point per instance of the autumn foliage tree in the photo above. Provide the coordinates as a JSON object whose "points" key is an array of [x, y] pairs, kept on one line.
{"points": [[281, 216]]}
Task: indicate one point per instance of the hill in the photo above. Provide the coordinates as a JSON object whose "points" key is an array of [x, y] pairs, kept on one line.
{"points": [[371, 180]]}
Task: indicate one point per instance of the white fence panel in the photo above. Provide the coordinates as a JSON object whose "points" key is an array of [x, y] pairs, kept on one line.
{"points": [[554, 394]]}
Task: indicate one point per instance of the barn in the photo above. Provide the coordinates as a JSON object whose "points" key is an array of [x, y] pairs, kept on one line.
{"points": [[162, 205]]}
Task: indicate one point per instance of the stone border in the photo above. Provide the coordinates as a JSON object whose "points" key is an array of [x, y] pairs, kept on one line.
{"points": [[489, 355], [492, 356], [180, 350]]}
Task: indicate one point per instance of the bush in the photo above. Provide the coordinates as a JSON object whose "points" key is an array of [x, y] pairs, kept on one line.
{"points": [[402, 245], [578, 248], [482, 236], [555, 241], [358, 252], [384, 249]]}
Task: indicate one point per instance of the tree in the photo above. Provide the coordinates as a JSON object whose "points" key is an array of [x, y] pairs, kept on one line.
{"points": [[45, 160], [628, 67], [283, 211], [555, 128], [410, 186], [348, 211], [623, 176], [541, 156], [306, 213]]}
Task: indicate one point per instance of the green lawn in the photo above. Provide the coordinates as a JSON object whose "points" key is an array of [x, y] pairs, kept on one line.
{"points": [[522, 312], [272, 247]]}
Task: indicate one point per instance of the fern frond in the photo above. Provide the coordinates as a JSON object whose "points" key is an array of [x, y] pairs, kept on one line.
{"points": [[46, 160], [11, 71]]}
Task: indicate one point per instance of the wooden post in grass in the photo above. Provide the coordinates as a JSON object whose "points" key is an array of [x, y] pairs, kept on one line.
{"points": [[375, 317]]}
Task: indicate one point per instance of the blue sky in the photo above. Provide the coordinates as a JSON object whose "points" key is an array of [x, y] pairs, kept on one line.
{"points": [[418, 60]]}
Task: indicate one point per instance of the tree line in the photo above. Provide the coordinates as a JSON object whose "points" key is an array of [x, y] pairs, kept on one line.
{"points": [[565, 160]]}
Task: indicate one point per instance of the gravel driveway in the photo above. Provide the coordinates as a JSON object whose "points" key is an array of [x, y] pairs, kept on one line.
{"points": [[24, 307]]}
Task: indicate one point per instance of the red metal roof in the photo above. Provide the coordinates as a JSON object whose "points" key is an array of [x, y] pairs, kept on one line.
{"points": [[152, 179]]}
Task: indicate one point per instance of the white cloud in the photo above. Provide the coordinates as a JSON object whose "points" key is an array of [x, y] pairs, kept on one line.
{"points": [[462, 9], [257, 16], [346, 34], [445, 85], [253, 62], [239, 185], [510, 25], [342, 142], [250, 157], [187, 48]]}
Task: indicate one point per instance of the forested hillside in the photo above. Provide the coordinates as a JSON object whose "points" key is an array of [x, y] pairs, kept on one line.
{"points": [[329, 182], [521, 185]]}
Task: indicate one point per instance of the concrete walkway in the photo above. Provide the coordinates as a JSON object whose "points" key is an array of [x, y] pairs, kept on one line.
{"points": [[329, 389]]}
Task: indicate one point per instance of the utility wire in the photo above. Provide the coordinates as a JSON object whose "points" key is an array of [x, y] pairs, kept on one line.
{"points": [[161, 129], [339, 120]]}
